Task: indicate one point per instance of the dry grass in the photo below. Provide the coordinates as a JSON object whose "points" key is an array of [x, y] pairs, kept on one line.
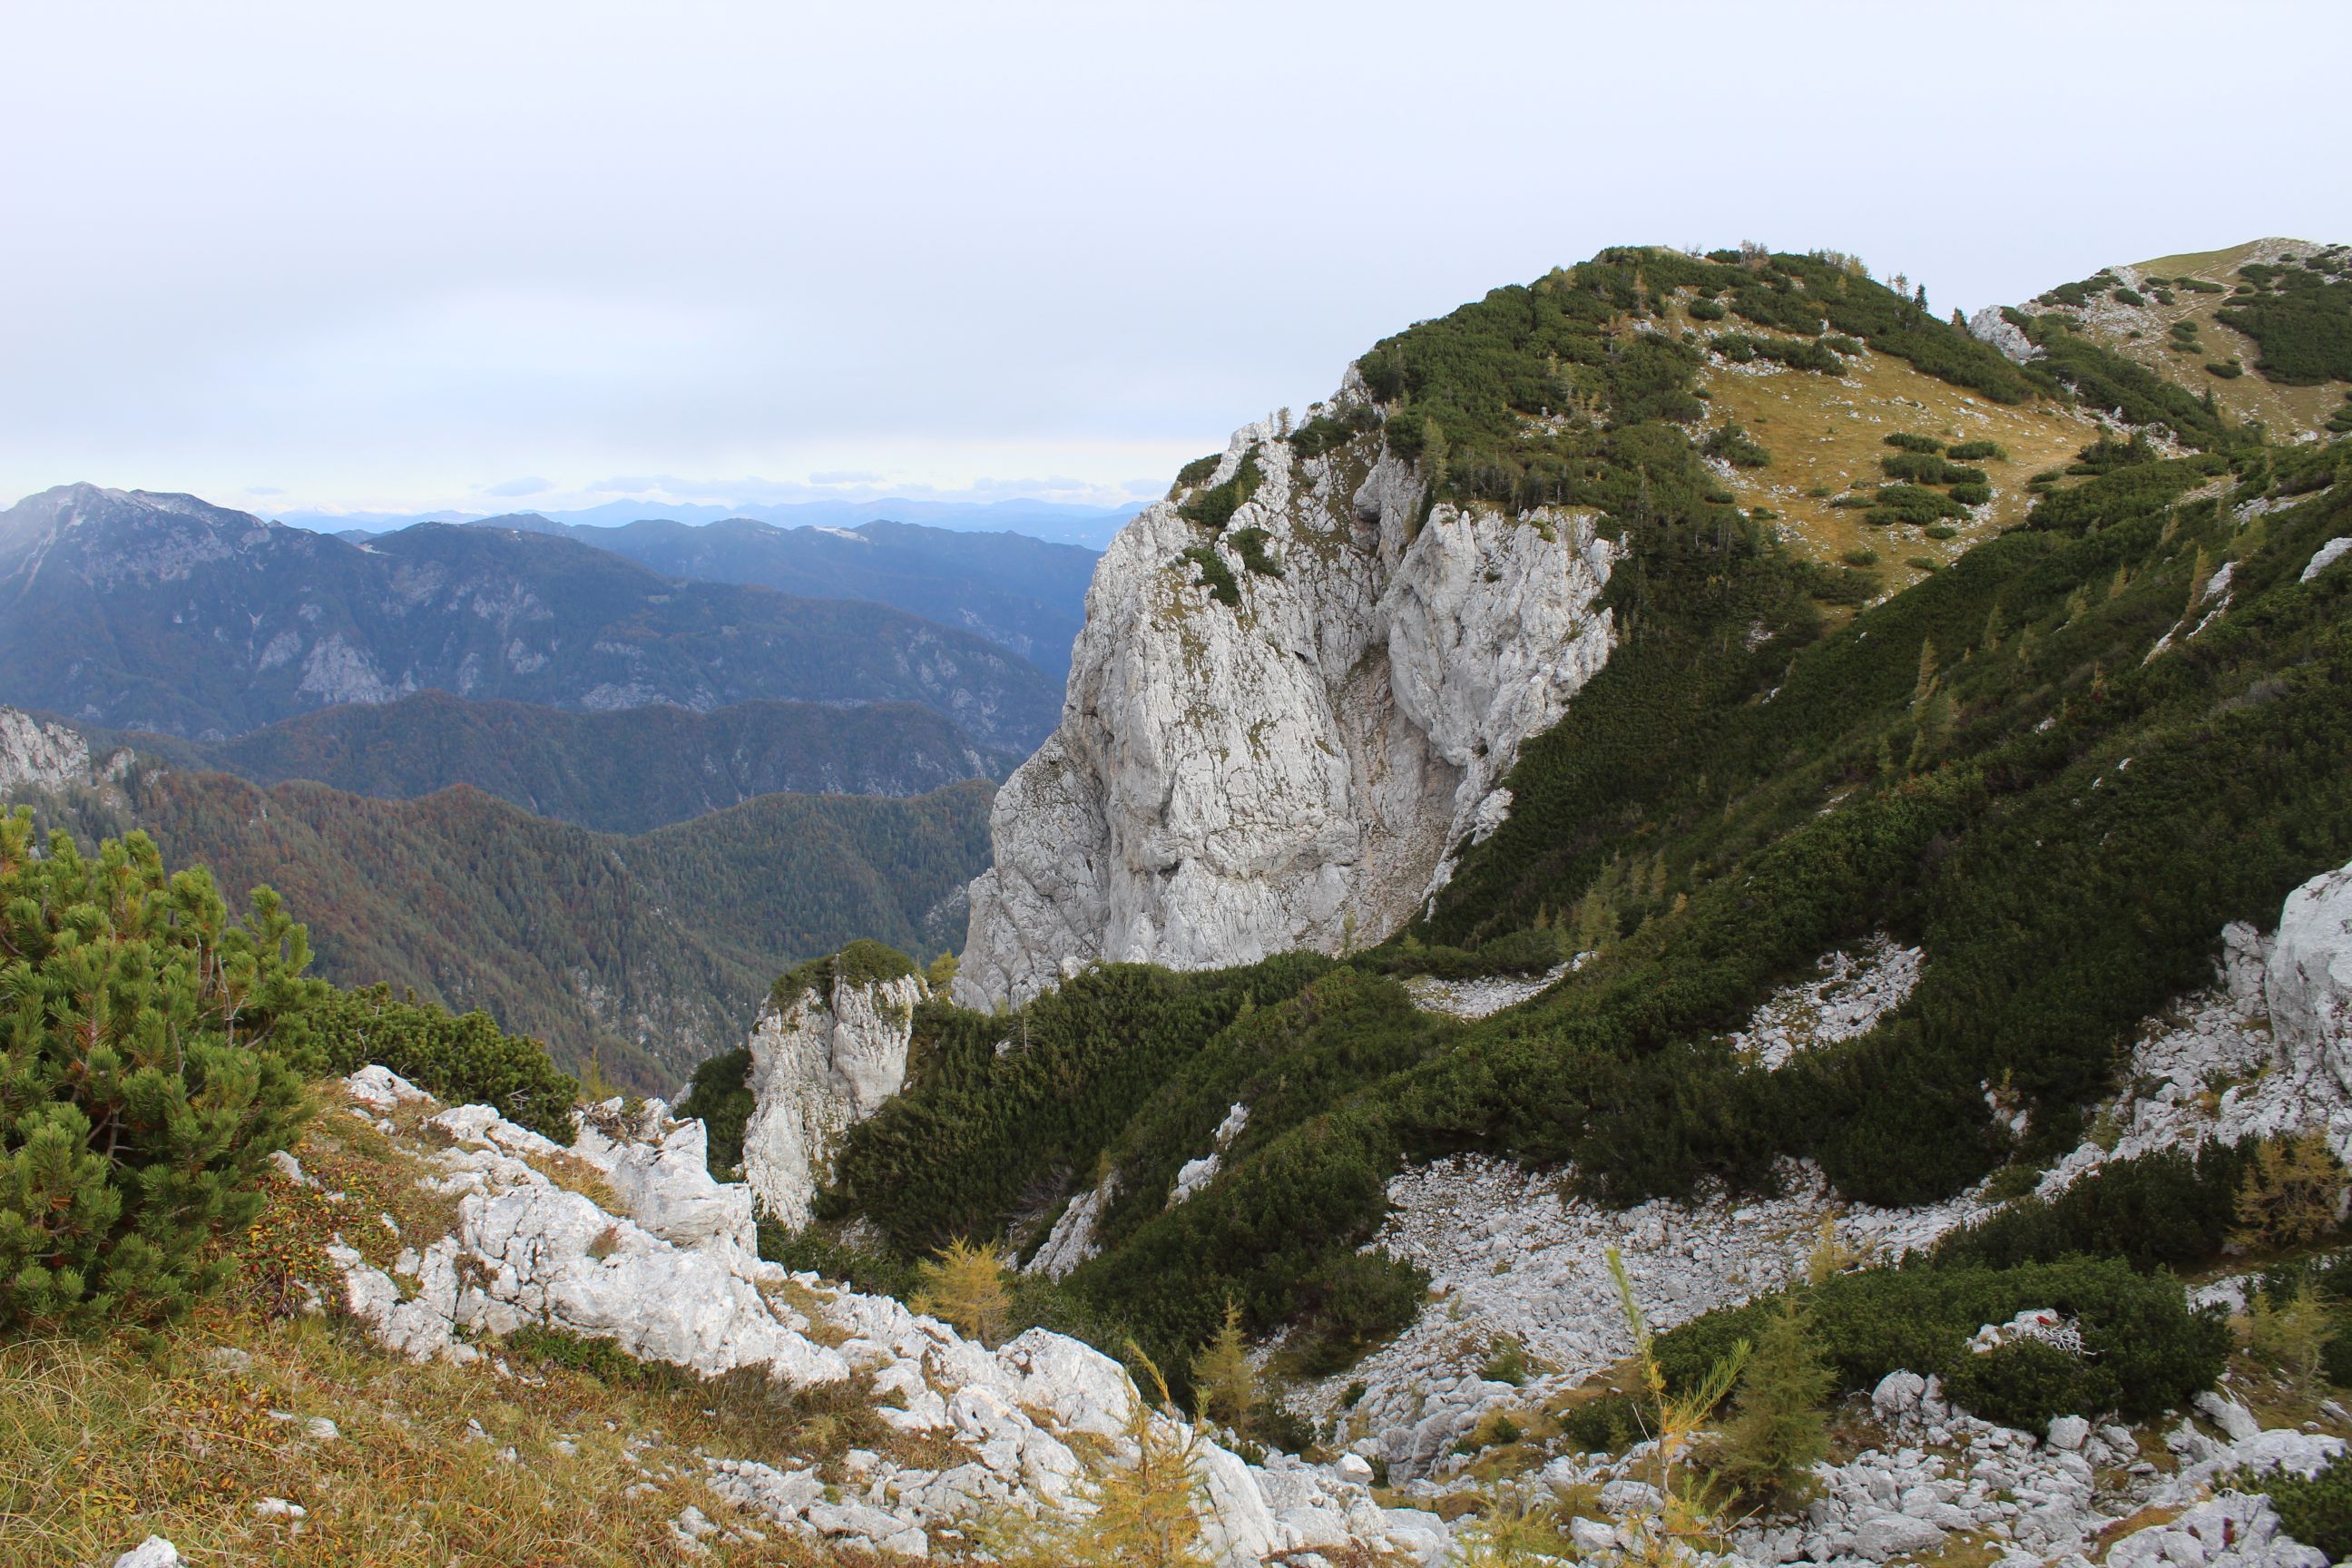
{"points": [[568, 1453], [1827, 434], [2285, 409], [100, 1447]]}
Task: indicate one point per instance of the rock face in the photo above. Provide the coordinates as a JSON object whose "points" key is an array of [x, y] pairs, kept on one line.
{"points": [[1288, 761], [821, 1063], [35, 755], [2309, 982]]}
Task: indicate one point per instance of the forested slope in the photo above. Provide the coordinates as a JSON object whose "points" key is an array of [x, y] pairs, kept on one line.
{"points": [[622, 772], [645, 953]]}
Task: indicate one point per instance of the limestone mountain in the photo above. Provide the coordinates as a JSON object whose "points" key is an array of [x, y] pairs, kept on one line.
{"points": [[142, 611], [625, 770], [1024, 593], [1732, 855]]}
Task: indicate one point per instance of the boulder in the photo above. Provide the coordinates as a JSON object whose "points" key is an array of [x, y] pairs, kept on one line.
{"points": [[1894, 1535]]}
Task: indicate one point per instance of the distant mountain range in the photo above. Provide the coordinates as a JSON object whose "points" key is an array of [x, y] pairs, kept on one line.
{"points": [[624, 772], [1020, 592], [137, 610], [1050, 521]]}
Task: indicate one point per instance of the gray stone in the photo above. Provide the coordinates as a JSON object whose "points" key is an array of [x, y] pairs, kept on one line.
{"points": [[2068, 1432], [1894, 1535]]}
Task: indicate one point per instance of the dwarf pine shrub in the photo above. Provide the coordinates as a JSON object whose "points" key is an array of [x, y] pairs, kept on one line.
{"points": [[144, 1078]]}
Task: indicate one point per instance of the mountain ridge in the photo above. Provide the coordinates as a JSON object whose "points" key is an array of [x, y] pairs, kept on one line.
{"points": [[170, 614]]}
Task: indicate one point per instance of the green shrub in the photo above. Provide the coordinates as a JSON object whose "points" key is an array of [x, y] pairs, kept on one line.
{"points": [[1977, 452], [2316, 1511], [1909, 442], [1912, 504], [144, 1077], [720, 1098], [864, 962], [2166, 1210], [1967, 495], [2024, 1382], [1353, 1301], [1734, 446], [1324, 433], [466, 1059], [1706, 311], [1861, 557], [1609, 1424], [1924, 563], [2149, 1351], [1214, 507], [1928, 468], [2230, 370], [1251, 543], [1215, 575], [1198, 470]]}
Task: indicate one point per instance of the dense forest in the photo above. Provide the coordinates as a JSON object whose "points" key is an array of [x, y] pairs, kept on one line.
{"points": [[627, 770], [642, 954]]}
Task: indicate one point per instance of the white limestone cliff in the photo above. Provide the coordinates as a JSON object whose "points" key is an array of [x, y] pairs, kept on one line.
{"points": [[2308, 979], [1297, 769], [41, 756], [821, 1061]]}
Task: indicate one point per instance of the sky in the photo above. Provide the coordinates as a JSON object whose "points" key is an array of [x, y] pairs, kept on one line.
{"points": [[501, 255]]}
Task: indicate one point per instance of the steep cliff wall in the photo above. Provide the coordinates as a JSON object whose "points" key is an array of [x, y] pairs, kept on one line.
{"points": [[1274, 742], [823, 1059]]}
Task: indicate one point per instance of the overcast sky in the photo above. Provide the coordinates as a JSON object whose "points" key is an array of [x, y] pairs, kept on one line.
{"points": [[519, 255]]}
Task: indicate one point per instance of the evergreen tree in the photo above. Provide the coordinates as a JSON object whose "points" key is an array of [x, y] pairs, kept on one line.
{"points": [[144, 1079], [1780, 1426]]}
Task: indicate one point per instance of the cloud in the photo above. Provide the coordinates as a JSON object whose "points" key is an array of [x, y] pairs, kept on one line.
{"points": [[845, 477], [263, 490], [522, 487]]}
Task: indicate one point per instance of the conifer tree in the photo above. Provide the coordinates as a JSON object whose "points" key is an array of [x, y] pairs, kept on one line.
{"points": [[2289, 1193], [1925, 685], [143, 1075], [1779, 1428], [964, 1285], [1225, 1384]]}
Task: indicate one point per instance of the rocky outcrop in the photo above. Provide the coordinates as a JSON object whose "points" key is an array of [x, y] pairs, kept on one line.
{"points": [[40, 756], [2308, 981], [823, 1060], [1008, 1432], [1989, 326], [1276, 732]]}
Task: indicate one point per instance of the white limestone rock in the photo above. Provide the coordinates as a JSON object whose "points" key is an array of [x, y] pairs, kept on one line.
{"points": [[1073, 1241], [152, 1553], [661, 1169], [2309, 982], [821, 1062], [2326, 555], [1295, 771], [1989, 326]]}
